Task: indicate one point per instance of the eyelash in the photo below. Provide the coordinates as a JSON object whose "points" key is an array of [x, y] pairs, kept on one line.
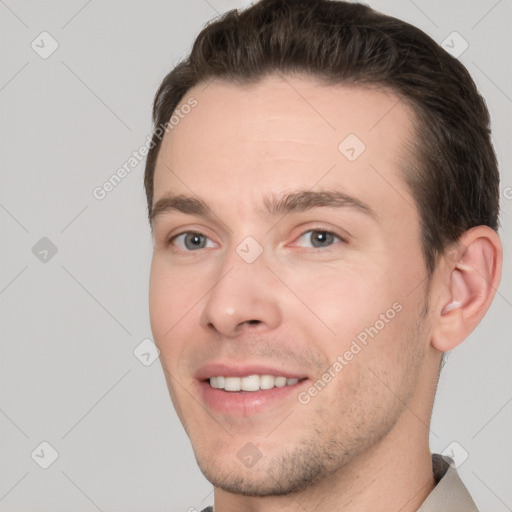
{"points": [[342, 239]]}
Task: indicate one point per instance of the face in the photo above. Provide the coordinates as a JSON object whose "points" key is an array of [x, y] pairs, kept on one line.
{"points": [[286, 283]]}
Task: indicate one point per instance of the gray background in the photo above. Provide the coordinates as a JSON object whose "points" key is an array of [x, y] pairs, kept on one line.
{"points": [[70, 324]]}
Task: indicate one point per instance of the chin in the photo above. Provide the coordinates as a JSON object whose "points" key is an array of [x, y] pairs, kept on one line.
{"points": [[282, 475]]}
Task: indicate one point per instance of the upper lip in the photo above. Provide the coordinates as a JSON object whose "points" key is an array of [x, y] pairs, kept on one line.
{"points": [[243, 370]]}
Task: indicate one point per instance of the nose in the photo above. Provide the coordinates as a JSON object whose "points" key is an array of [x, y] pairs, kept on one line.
{"points": [[243, 297]]}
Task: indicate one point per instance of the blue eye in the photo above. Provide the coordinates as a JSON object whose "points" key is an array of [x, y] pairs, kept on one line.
{"points": [[190, 241], [319, 238]]}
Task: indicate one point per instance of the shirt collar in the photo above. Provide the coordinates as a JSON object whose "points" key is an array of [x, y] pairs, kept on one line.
{"points": [[449, 494]]}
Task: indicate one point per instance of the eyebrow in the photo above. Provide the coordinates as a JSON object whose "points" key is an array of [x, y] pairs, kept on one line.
{"points": [[298, 201]]}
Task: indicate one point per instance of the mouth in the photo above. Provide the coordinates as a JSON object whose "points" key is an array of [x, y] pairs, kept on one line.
{"points": [[246, 391], [252, 383]]}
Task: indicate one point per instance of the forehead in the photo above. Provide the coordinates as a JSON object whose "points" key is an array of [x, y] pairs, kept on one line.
{"points": [[284, 132]]}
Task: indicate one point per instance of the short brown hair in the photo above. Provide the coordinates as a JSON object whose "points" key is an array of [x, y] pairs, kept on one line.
{"points": [[454, 176]]}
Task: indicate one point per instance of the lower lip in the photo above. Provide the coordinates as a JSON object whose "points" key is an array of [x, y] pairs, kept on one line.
{"points": [[246, 403]]}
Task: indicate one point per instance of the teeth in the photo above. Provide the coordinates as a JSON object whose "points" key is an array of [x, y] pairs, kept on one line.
{"points": [[280, 382], [267, 381], [251, 382], [217, 382], [232, 384]]}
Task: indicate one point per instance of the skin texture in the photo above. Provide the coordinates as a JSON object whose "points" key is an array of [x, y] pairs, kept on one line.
{"points": [[362, 442]]}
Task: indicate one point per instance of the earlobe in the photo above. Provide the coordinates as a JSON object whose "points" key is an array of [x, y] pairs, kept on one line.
{"points": [[471, 277]]}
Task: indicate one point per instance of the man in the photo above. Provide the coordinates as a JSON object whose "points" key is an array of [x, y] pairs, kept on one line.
{"points": [[323, 195]]}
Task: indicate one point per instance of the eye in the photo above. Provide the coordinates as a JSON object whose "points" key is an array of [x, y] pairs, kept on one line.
{"points": [[319, 238], [191, 241]]}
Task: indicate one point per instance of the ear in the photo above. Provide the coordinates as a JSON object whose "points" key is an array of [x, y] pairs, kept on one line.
{"points": [[469, 278]]}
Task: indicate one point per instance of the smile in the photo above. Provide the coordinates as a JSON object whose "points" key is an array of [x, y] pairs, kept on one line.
{"points": [[251, 382]]}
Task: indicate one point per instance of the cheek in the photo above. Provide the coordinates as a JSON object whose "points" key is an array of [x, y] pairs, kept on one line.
{"points": [[361, 313], [344, 301], [171, 300], [161, 301]]}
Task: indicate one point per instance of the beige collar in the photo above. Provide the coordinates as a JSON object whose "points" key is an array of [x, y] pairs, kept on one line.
{"points": [[450, 494]]}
